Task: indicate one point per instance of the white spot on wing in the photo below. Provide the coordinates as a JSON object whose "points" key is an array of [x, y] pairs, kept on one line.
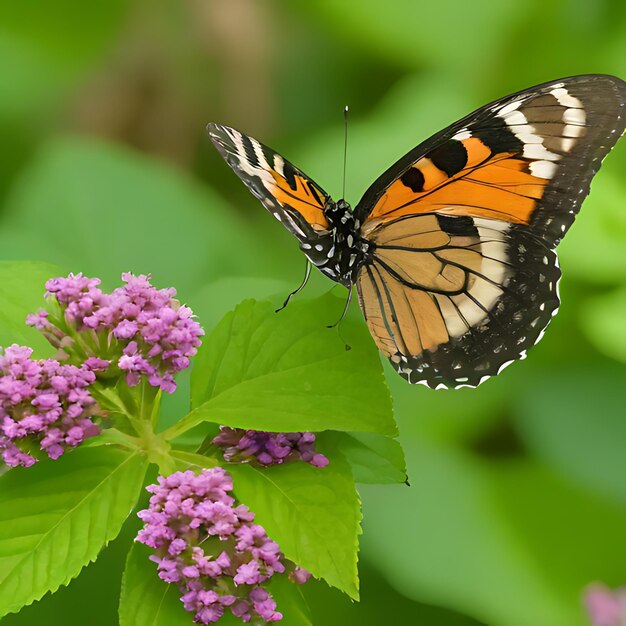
{"points": [[258, 150], [279, 164], [462, 134], [508, 108], [514, 118], [539, 152], [572, 130], [249, 168], [543, 169], [565, 99], [574, 116]]}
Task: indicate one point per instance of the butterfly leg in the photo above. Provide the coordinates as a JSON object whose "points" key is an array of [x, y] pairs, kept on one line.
{"points": [[343, 314], [345, 310], [307, 274]]}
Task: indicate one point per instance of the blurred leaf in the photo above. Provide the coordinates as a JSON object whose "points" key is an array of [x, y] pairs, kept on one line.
{"points": [[312, 513], [573, 535], [22, 286], [374, 459], [45, 48], [110, 210], [450, 415], [380, 604], [417, 34], [603, 320], [287, 372], [595, 249], [574, 420], [55, 518], [477, 537]]}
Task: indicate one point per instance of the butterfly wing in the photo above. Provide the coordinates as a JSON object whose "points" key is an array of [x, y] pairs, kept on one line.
{"points": [[284, 190], [462, 277]]}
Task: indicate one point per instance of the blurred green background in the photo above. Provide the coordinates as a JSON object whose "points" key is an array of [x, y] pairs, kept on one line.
{"points": [[518, 489]]}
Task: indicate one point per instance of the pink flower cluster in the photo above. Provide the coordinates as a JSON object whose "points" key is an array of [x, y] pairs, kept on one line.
{"points": [[268, 448], [42, 404], [140, 329], [211, 548], [606, 607]]}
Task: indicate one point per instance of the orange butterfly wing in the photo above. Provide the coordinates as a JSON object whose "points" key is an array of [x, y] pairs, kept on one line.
{"points": [[285, 191], [462, 276]]}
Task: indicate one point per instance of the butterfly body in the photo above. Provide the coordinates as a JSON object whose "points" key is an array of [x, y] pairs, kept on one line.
{"points": [[452, 249], [339, 252]]}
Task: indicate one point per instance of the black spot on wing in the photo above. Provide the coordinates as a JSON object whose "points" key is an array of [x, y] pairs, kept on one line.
{"points": [[450, 157], [498, 137], [413, 179], [462, 226]]}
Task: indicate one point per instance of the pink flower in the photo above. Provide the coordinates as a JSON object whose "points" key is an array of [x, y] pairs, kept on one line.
{"points": [[606, 607], [144, 329], [266, 448], [44, 403], [210, 548]]}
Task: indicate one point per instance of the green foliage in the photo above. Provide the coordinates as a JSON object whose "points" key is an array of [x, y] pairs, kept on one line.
{"points": [[286, 372], [313, 514], [392, 32], [21, 293], [517, 494], [146, 600], [57, 516], [46, 48], [374, 459], [117, 218]]}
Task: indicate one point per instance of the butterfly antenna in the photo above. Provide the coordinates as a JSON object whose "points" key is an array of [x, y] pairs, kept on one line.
{"points": [[307, 274], [345, 148], [338, 322]]}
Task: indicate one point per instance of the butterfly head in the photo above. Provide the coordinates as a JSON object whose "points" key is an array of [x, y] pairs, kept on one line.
{"points": [[339, 251]]}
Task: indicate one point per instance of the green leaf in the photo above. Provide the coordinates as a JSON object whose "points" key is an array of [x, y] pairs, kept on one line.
{"points": [[190, 460], [287, 372], [374, 459], [289, 601], [21, 292], [110, 210], [146, 600], [312, 513], [56, 516]]}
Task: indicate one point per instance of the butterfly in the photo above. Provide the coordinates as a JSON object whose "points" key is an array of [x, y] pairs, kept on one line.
{"points": [[452, 249]]}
